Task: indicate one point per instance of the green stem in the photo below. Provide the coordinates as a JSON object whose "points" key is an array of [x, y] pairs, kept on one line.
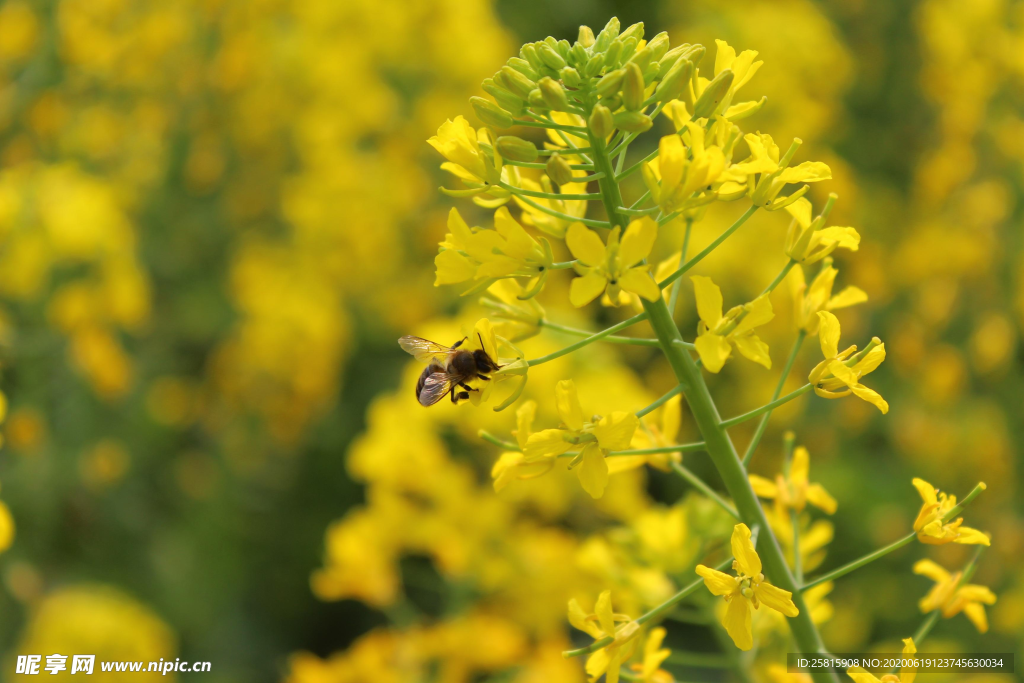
{"points": [[705, 413], [707, 250], [673, 300], [778, 278], [564, 216], [589, 340], [858, 563], [490, 438], [613, 339], [538, 165], [554, 126], [661, 401], [702, 486], [768, 407], [763, 424], [547, 195]]}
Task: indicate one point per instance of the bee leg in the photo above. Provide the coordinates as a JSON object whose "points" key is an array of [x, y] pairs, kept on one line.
{"points": [[465, 386], [459, 343], [452, 392], [463, 396], [479, 376]]}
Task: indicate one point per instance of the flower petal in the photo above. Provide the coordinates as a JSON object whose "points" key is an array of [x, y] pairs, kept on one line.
{"points": [[709, 300], [546, 443], [637, 241], [821, 499], [615, 431], [639, 281], [776, 598], [567, 403], [585, 245], [763, 488], [593, 471], [713, 351], [828, 334], [747, 561], [719, 583], [737, 623], [587, 288], [752, 348]]}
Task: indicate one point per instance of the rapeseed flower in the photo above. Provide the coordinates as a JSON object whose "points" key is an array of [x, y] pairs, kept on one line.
{"points": [[513, 465], [658, 435], [834, 377], [809, 241], [680, 173], [952, 597], [610, 433], [747, 590], [793, 491], [649, 670], [603, 623], [809, 299], [774, 173], [613, 267], [930, 525], [717, 333], [472, 158]]}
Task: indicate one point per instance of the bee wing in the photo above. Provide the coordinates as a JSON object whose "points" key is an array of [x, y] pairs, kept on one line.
{"points": [[424, 349], [436, 386]]}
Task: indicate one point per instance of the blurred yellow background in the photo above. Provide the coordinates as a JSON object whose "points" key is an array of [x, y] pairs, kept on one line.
{"points": [[216, 217]]}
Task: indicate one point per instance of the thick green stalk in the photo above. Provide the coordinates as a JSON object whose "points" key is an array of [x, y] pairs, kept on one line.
{"points": [[717, 442]]}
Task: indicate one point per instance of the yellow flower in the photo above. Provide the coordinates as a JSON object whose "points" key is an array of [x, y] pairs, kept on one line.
{"points": [[808, 300], [717, 334], [793, 492], [545, 222], [654, 436], [472, 158], [952, 598], [514, 465], [613, 432], [929, 524], [748, 589], [680, 172], [617, 266], [774, 173], [906, 675], [480, 254], [809, 241], [833, 377], [743, 68], [814, 536], [649, 670], [602, 624]]}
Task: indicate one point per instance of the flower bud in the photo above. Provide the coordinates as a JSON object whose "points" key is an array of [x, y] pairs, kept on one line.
{"points": [[628, 48], [505, 99], [529, 53], [586, 37], [523, 67], [558, 170], [601, 124], [633, 87], [490, 113], [632, 121], [564, 48], [659, 45], [613, 102], [516, 149], [611, 55], [515, 82], [578, 55], [550, 56], [536, 99], [635, 31], [674, 81], [670, 58], [609, 33], [553, 94], [594, 65], [570, 77], [611, 82], [642, 58], [713, 95]]}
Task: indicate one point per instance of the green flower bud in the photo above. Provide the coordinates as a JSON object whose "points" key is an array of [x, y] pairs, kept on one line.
{"points": [[695, 54], [529, 53], [601, 123], [611, 55], [674, 81], [613, 102], [593, 66], [713, 95], [659, 45], [642, 58], [609, 33], [586, 37], [632, 121], [516, 149], [553, 94], [506, 100], [564, 48], [536, 99], [670, 59], [517, 83], [611, 82], [490, 113], [523, 67], [550, 56], [570, 77], [628, 48], [558, 170], [633, 87], [578, 55], [635, 31]]}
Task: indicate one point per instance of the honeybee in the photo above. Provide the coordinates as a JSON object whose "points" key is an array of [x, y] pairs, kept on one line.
{"points": [[448, 368]]}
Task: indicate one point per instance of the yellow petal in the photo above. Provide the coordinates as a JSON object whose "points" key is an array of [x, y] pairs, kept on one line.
{"points": [[603, 610], [925, 490], [519, 244], [969, 536], [759, 311], [546, 443], [639, 281], [671, 162], [709, 300], [567, 403], [578, 618], [907, 675], [807, 172], [671, 417], [593, 471], [930, 569], [452, 267], [637, 241], [828, 334], [801, 210], [587, 288], [976, 613], [821, 499], [747, 561], [850, 296], [972, 592], [752, 348], [585, 245], [870, 361], [776, 598], [724, 56], [737, 623], [624, 463], [597, 664], [859, 675], [800, 466], [525, 415], [763, 488], [615, 431], [719, 583], [713, 351], [871, 396]]}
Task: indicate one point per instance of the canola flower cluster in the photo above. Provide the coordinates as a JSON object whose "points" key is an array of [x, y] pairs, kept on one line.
{"points": [[595, 97]]}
